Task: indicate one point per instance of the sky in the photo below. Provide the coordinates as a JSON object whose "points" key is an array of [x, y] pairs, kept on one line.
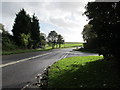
{"points": [[64, 17]]}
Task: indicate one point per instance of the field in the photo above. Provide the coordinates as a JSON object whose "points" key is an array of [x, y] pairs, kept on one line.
{"points": [[71, 44], [84, 72], [66, 45]]}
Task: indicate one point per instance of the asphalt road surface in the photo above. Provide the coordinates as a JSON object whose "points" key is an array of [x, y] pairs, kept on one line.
{"points": [[19, 69]]}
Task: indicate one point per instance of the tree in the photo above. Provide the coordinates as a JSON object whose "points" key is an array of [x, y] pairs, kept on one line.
{"points": [[88, 32], [2, 27], [60, 40], [1, 31], [43, 40], [6, 39], [105, 18], [52, 38], [21, 25], [89, 37], [25, 39], [35, 32], [25, 25]]}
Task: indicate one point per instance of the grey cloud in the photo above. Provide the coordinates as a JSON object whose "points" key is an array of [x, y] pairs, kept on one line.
{"points": [[65, 6], [60, 14], [63, 23]]}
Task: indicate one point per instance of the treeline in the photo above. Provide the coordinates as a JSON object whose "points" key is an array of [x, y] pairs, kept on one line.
{"points": [[27, 35], [102, 33]]}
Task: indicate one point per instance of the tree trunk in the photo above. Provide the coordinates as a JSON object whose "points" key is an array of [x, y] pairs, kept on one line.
{"points": [[59, 45], [52, 46]]}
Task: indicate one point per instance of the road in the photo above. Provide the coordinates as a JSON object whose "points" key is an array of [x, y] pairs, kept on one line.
{"points": [[19, 69]]}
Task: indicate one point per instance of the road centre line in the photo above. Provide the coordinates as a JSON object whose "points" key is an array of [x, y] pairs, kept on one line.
{"points": [[22, 60]]}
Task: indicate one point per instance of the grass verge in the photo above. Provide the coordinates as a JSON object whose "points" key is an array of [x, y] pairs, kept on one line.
{"points": [[84, 72], [66, 45], [23, 51]]}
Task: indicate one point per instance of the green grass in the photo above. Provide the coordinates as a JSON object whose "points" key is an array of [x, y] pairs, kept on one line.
{"points": [[17, 51], [24, 51], [71, 44], [84, 72]]}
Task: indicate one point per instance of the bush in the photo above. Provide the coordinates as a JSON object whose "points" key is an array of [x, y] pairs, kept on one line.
{"points": [[8, 44]]}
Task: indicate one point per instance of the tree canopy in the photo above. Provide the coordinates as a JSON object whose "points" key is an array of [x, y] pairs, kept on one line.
{"points": [[60, 40], [6, 39], [52, 38], [25, 26], [22, 24], [105, 20], [35, 32], [55, 39]]}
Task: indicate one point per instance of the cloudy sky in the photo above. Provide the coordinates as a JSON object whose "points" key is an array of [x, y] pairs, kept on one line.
{"points": [[64, 17]]}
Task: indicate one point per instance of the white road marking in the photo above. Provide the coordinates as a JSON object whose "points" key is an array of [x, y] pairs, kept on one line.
{"points": [[22, 60], [65, 55]]}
